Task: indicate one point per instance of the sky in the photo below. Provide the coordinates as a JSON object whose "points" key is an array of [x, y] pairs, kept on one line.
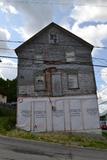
{"points": [[21, 19]]}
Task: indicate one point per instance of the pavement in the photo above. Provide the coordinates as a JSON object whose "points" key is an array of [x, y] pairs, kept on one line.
{"points": [[17, 149]]}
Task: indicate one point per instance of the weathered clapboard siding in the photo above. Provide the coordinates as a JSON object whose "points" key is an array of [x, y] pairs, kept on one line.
{"points": [[56, 84], [54, 56]]}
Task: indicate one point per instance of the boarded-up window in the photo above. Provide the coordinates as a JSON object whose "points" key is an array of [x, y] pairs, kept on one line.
{"points": [[53, 38], [40, 82], [72, 81], [70, 56], [38, 58]]}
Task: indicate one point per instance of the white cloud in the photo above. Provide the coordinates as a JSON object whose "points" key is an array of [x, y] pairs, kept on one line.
{"points": [[89, 13], [4, 33], [104, 75], [92, 34], [35, 17], [102, 93], [12, 9], [90, 2], [23, 33], [8, 69], [6, 8], [102, 99]]}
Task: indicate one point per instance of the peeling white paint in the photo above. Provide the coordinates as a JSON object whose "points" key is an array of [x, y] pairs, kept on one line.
{"points": [[74, 113]]}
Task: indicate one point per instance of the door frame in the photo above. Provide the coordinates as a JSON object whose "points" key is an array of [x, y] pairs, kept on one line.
{"points": [[60, 80]]}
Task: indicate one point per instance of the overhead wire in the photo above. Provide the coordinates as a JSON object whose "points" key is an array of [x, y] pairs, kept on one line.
{"points": [[55, 3], [19, 41], [81, 57], [95, 47], [89, 63], [27, 68], [11, 41], [99, 66], [30, 49], [31, 1]]}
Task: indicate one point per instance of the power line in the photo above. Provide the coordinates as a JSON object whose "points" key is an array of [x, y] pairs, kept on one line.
{"points": [[83, 58], [97, 47], [2, 48], [19, 41], [12, 57], [45, 59], [32, 68], [100, 47], [11, 41], [8, 67], [96, 72], [55, 3], [96, 58], [61, 60], [73, 63], [99, 61]]}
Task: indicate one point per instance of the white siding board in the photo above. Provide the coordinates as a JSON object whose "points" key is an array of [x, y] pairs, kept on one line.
{"points": [[74, 113]]}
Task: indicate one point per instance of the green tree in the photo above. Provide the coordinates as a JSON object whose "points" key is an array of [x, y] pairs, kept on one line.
{"points": [[9, 88]]}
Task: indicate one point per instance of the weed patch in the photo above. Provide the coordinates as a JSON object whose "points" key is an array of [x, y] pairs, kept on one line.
{"points": [[7, 128]]}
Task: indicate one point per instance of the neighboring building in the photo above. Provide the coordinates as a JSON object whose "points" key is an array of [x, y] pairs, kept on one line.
{"points": [[56, 83], [103, 120], [3, 99]]}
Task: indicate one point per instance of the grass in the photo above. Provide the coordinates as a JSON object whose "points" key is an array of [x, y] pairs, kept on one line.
{"points": [[104, 134], [7, 128], [67, 139]]}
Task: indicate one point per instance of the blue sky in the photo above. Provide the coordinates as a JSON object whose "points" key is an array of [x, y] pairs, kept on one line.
{"points": [[20, 19]]}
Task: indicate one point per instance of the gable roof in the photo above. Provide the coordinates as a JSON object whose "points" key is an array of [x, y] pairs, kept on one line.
{"points": [[59, 27]]}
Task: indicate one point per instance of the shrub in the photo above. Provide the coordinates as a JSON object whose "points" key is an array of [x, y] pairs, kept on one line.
{"points": [[7, 118]]}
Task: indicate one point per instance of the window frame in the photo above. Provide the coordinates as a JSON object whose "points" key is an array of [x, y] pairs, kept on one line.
{"points": [[43, 88], [70, 58], [68, 81], [55, 38], [39, 60]]}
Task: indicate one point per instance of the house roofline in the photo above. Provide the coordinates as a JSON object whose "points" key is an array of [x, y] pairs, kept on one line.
{"points": [[59, 27]]}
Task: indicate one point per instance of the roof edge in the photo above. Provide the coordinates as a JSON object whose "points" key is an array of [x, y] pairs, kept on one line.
{"points": [[57, 26]]}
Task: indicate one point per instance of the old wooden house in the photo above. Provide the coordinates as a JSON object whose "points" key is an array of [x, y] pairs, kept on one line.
{"points": [[56, 83]]}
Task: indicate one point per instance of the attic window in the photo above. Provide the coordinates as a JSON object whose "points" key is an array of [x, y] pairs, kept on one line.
{"points": [[70, 56], [53, 38], [22, 77], [73, 81]]}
